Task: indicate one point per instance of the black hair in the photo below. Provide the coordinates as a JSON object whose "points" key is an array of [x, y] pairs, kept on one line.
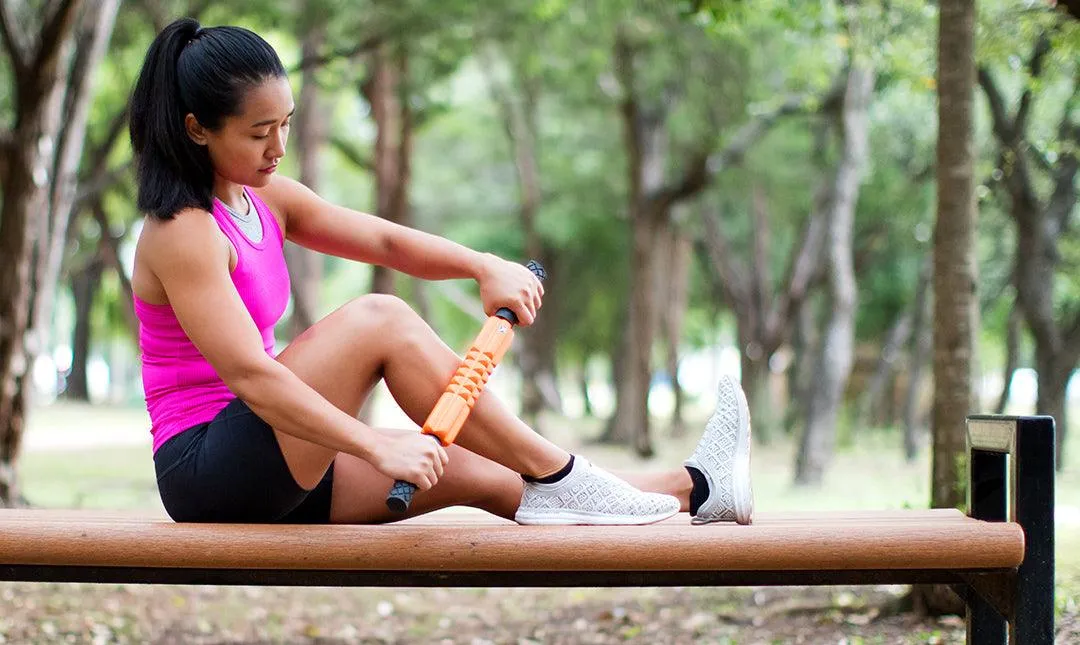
{"points": [[204, 72]]}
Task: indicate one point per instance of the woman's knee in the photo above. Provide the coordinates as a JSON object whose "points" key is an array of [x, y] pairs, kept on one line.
{"points": [[377, 316], [378, 310], [390, 321]]}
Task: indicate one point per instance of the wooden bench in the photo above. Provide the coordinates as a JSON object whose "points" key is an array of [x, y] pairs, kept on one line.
{"points": [[1003, 568]]}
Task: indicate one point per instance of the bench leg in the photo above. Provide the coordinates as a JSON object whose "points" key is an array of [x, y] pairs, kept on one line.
{"points": [[1033, 509], [987, 500]]}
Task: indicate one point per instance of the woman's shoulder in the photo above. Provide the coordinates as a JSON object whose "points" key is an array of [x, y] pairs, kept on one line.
{"points": [[164, 245], [190, 235], [187, 226]]}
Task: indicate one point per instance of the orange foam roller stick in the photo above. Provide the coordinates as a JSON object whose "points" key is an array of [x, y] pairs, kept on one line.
{"points": [[452, 409]]}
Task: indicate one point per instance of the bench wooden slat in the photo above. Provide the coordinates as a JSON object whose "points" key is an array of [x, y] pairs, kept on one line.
{"points": [[897, 540]]}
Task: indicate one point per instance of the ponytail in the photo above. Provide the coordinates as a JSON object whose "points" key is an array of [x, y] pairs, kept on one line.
{"points": [[189, 70]]}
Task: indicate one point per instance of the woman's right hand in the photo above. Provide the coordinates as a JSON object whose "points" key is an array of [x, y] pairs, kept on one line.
{"points": [[410, 456]]}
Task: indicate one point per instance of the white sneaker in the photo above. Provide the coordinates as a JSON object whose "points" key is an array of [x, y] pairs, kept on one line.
{"points": [[723, 457], [589, 495]]}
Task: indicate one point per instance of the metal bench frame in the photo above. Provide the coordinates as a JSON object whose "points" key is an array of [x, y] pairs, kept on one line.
{"points": [[1012, 467]]}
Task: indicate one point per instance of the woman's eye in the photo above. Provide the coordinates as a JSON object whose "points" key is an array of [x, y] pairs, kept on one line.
{"points": [[262, 136]]}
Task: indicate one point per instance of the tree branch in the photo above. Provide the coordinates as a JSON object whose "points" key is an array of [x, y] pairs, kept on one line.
{"points": [[751, 132], [761, 241], [1069, 354], [110, 250], [1035, 69], [14, 39], [702, 167], [116, 128], [730, 272], [160, 16], [100, 181], [1002, 125], [802, 271], [101, 178], [352, 152], [365, 46], [6, 141], [57, 23], [1014, 154], [1063, 200]]}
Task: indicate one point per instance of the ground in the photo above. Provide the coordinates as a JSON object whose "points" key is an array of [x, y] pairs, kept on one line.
{"points": [[106, 464]]}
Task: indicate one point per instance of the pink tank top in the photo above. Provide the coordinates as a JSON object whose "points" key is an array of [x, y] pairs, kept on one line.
{"points": [[182, 389]]}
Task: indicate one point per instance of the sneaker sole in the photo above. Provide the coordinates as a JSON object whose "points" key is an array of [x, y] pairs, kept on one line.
{"points": [[565, 518], [744, 492], [742, 489]]}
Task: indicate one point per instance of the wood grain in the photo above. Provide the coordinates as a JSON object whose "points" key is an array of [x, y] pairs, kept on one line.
{"points": [[889, 540]]}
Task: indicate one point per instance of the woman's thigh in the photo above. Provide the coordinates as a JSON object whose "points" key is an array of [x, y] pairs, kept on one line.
{"points": [[341, 358]]}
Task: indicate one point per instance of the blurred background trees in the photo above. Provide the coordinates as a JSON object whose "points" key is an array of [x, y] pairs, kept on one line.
{"points": [[713, 186]]}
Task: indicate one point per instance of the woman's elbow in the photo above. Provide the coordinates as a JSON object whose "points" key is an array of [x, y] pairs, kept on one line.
{"points": [[253, 380]]}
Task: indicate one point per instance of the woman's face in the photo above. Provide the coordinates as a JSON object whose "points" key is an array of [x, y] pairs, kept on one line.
{"points": [[247, 147]]}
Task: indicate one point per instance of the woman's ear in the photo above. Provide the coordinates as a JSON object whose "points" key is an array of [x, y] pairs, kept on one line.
{"points": [[195, 129]]}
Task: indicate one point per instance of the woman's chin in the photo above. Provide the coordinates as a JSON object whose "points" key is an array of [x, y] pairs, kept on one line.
{"points": [[261, 179]]}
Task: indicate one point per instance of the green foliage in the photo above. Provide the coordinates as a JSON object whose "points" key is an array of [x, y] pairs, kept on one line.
{"points": [[711, 65]]}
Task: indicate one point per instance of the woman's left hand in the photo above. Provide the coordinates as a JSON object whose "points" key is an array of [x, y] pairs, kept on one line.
{"points": [[511, 285]]}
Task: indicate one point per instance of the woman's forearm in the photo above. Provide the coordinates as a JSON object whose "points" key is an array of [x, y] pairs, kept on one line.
{"points": [[431, 257]]}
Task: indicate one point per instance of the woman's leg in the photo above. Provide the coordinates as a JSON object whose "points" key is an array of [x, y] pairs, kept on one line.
{"points": [[469, 480], [342, 357]]}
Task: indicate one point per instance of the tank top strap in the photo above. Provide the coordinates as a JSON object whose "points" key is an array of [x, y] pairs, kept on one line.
{"points": [[266, 216]]}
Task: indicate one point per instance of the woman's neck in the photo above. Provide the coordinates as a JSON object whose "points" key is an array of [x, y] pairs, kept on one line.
{"points": [[231, 194]]}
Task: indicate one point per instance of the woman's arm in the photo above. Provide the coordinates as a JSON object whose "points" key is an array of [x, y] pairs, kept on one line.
{"points": [[315, 223], [312, 222], [192, 264]]}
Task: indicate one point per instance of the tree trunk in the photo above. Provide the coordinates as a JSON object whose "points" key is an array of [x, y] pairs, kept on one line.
{"points": [[536, 355], [84, 287], [955, 274], [1012, 358], [1040, 222], [110, 255], [305, 266], [646, 141], [384, 93], [956, 304], [836, 351], [630, 422], [765, 315], [38, 192], [754, 366], [583, 385], [1053, 379], [675, 295], [651, 202], [891, 350], [804, 342], [93, 30], [922, 347]]}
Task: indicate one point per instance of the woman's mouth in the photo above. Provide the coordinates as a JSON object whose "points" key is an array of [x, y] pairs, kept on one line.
{"points": [[269, 169]]}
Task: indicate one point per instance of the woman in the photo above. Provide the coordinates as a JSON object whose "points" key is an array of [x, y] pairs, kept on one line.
{"points": [[242, 435]]}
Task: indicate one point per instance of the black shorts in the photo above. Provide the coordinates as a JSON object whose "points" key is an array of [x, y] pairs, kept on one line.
{"points": [[231, 470]]}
